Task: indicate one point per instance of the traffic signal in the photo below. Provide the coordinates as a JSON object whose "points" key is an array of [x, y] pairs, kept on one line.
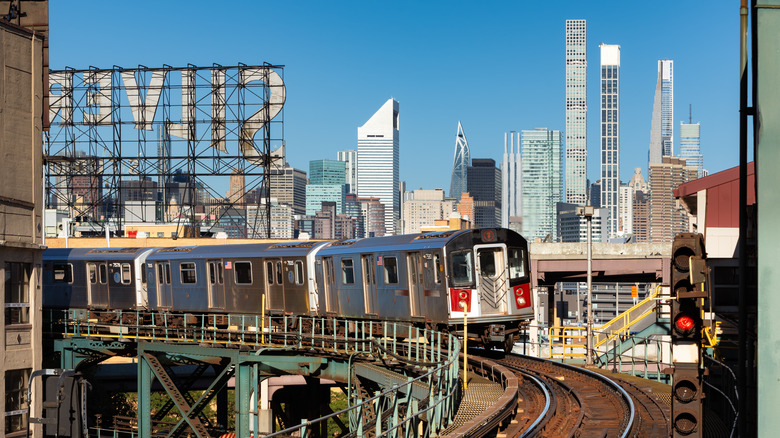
{"points": [[689, 273]]}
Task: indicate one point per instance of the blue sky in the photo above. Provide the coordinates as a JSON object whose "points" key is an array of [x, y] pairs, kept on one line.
{"points": [[495, 66]]}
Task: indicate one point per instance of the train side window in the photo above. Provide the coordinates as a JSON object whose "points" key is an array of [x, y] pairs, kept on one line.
{"points": [[462, 268], [347, 271], [391, 270], [92, 273], [437, 269], [188, 274], [278, 272], [299, 272], [160, 276], [167, 273], [269, 272], [103, 273], [243, 272], [63, 272], [127, 278], [143, 275], [220, 273], [516, 263]]}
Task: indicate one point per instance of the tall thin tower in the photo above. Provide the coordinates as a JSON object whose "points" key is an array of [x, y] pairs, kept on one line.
{"points": [[576, 112], [610, 133], [511, 180], [662, 123], [377, 157], [459, 164]]}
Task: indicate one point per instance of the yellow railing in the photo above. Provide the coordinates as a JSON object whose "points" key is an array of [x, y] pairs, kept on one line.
{"points": [[617, 326]]}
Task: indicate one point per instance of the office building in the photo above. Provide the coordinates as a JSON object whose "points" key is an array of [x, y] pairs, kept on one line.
{"points": [[21, 213], [594, 194], [574, 228], [327, 183], [466, 207], [288, 186], [460, 164], [373, 212], [282, 221], [424, 208], [668, 216], [690, 147], [327, 172], [542, 181], [349, 157], [511, 180], [484, 185], [378, 151], [237, 188], [576, 112], [610, 133], [662, 123], [625, 211]]}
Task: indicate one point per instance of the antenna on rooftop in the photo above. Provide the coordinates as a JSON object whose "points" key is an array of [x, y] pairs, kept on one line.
{"points": [[690, 114]]}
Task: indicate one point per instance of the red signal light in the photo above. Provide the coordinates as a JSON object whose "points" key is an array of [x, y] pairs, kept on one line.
{"points": [[684, 323]]}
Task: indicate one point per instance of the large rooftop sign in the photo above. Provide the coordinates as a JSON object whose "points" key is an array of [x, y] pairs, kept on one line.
{"points": [[192, 124]]}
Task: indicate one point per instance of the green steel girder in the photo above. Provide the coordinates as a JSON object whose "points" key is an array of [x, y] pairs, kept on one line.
{"points": [[77, 352], [387, 379]]}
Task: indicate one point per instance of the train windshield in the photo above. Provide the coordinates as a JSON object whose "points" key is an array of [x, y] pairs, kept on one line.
{"points": [[516, 263], [462, 268]]}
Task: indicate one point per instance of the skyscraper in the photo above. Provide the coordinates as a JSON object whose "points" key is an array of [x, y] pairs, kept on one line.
{"points": [[511, 181], [349, 157], [576, 112], [326, 184], [484, 185], [377, 170], [667, 216], [662, 128], [542, 181], [610, 133], [690, 146], [237, 188], [459, 164]]}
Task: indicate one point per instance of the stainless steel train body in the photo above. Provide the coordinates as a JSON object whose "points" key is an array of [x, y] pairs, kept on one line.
{"points": [[431, 278], [95, 278], [234, 278]]}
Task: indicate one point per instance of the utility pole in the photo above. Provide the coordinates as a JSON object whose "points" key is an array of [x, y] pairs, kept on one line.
{"points": [[587, 212]]}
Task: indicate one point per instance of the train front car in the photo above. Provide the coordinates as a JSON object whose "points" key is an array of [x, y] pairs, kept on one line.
{"points": [[488, 280]]}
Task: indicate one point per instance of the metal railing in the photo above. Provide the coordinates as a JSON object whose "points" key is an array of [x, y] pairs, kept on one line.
{"points": [[572, 341], [393, 411]]}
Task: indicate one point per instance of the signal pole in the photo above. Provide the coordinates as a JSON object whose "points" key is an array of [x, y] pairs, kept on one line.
{"points": [[587, 212]]}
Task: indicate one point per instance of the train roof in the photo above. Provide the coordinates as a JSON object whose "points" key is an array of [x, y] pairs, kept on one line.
{"points": [[120, 254], [283, 249], [392, 243]]}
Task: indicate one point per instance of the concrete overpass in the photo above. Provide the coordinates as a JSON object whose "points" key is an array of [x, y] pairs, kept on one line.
{"points": [[611, 262]]}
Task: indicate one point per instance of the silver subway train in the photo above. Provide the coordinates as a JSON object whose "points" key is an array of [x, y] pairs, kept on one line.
{"points": [[429, 279]]}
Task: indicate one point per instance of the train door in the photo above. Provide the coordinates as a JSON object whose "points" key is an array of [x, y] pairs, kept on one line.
{"points": [[369, 284], [216, 284], [416, 283], [274, 284], [331, 301], [98, 284], [492, 280], [164, 299]]}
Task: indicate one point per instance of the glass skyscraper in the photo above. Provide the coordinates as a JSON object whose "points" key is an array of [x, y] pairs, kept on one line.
{"points": [[610, 133], [662, 123], [377, 170], [690, 147], [459, 164], [542, 181], [349, 157], [576, 112]]}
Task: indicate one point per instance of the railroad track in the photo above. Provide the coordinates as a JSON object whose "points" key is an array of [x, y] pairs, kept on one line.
{"points": [[559, 400]]}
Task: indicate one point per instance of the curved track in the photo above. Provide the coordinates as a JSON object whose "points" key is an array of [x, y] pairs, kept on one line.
{"points": [[559, 400]]}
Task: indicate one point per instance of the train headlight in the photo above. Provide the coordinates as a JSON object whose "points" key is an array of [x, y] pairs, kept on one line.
{"points": [[520, 301]]}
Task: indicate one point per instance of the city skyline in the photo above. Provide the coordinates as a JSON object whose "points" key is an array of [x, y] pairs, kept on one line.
{"points": [[512, 99]]}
